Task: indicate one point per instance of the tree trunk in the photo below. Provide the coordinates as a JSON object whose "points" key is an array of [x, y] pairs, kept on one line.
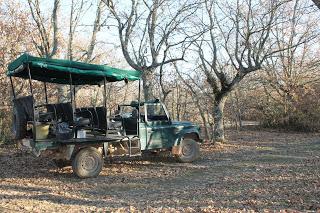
{"points": [[148, 84], [202, 115], [205, 123], [96, 29], [220, 101], [63, 93], [239, 111], [209, 117]]}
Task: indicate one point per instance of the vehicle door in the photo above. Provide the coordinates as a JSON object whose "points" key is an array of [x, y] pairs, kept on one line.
{"points": [[159, 133]]}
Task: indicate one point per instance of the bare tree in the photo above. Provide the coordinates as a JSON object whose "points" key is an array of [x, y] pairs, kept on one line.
{"points": [[198, 100], [317, 3], [296, 67], [48, 43], [76, 12], [239, 41], [149, 31], [96, 28]]}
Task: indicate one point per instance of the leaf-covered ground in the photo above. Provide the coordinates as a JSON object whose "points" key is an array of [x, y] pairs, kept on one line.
{"points": [[256, 171]]}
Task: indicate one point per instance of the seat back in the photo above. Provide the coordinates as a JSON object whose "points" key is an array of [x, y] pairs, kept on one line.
{"points": [[67, 112], [97, 115], [130, 124], [94, 114], [102, 113], [62, 111]]}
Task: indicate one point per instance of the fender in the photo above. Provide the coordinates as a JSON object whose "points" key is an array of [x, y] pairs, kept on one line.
{"points": [[192, 132]]}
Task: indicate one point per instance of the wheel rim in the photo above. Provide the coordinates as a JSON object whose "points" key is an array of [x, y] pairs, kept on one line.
{"points": [[89, 163], [187, 150]]}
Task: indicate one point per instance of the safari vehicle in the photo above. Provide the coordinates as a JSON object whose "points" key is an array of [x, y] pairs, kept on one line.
{"points": [[83, 136]]}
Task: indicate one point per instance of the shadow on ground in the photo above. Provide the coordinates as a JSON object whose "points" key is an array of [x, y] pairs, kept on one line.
{"points": [[256, 170]]}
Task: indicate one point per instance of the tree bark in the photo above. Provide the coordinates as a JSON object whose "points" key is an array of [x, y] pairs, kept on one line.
{"points": [[148, 84], [317, 3], [204, 120], [96, 29], [239, 111], [63, 94], [219, 104]]}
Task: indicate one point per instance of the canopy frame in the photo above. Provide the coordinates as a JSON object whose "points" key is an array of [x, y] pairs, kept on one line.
{"points": [[72, 93]]}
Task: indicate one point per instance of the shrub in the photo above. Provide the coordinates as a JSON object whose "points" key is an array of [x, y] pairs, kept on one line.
{"points": [[302, 114]]}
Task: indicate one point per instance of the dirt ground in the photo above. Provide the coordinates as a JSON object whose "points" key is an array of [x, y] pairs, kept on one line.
{"points": [[256, 171]]}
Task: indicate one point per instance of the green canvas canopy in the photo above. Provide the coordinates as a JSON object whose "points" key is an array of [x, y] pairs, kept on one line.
{"points": [[58, 71]]}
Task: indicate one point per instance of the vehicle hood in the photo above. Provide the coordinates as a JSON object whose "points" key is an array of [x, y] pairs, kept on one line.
{"points": [[182, 127], [183, 124]]}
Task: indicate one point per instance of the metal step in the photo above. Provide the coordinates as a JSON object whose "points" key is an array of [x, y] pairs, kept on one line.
{"points": [[137, 146]]}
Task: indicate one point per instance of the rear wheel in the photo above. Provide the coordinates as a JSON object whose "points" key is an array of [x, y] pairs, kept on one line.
{"points": [[189, 150], [19, 123], [87, 163]]}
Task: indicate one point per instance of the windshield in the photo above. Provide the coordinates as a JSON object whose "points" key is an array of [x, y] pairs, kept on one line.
{"points": [[156, 112]]}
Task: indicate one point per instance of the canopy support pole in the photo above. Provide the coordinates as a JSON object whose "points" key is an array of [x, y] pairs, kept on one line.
{"points": [[74, 96], [34, 129], [139, 99], [71, 98], [105, 102], [30, 81], [12, 88], [45, 92]]}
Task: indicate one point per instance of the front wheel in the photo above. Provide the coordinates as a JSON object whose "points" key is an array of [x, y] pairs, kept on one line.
{"points": [[189, 150], [87, 163]]}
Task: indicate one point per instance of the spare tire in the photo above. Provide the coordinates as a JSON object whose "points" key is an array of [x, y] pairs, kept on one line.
{"points": [[19, 123]]}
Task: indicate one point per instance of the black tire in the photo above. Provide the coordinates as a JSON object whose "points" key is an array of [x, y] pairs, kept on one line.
{"points": [[189, 150], [61, 163], [87, 163], [19, 123]]}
